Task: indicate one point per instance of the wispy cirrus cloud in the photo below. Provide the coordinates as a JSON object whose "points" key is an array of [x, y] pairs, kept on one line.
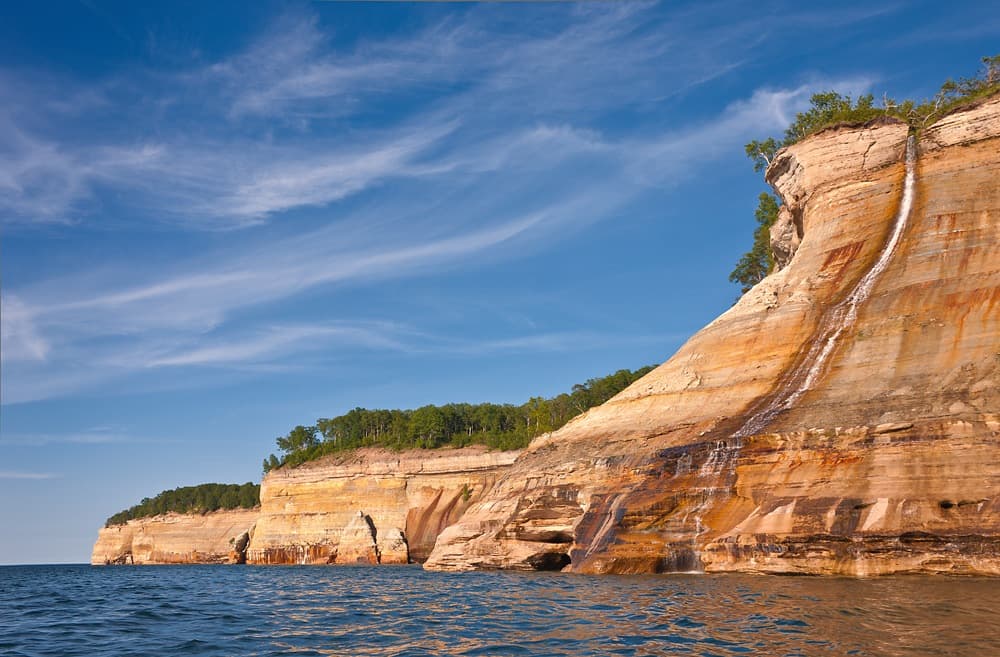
{"points": [[102, 333], [265, 131], [30, 476], [170, 320], [276, 341], [21, 339], [268, 130], [203, 185], [42, 180], [499, 141], [559, 341], [292, 73], [97, 436]]}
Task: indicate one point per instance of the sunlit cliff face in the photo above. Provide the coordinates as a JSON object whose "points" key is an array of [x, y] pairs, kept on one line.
{"points": [[310, 514], [841, 418]]}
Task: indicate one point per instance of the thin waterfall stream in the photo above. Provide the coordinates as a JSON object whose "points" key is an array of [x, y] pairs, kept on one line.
{"points": [[841, 317], [837, 320], [721, 461]]}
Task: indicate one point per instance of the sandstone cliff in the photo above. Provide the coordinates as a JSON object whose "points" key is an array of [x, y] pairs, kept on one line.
{"points": [[219, 537], [369, 506], [843, 417]]}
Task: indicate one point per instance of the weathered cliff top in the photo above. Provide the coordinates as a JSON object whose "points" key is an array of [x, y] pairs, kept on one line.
{"points": [[175, 516], [380, 461], [970, 123]]}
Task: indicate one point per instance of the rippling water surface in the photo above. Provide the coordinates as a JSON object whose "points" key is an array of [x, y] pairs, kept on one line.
{"points": [[217, 610]]}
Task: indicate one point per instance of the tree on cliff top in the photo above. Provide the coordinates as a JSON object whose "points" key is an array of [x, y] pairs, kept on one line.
{"points": [[299, 438], [498, 426], [192, 499], [758, 262]]}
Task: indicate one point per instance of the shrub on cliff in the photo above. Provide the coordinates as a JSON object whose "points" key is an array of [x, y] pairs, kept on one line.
{"points": [[758, 261], [192, 499], [499, 426]]}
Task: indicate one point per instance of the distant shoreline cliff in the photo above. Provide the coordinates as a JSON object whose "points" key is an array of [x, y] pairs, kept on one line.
{"points": [[369, 505], [175, 538]]}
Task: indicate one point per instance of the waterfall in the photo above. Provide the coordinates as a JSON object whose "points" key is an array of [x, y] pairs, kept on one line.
{"points": [[719, 467], [840, 318]]}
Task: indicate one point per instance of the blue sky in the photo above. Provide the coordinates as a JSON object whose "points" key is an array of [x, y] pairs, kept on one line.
{"points": [[220, 222]]}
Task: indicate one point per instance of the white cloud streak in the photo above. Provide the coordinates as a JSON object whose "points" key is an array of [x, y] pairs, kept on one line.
{"points": [[20, 338], [222, 167], [101, 435], [501, 144], [277, 341], [11, 474], [164, 317]]}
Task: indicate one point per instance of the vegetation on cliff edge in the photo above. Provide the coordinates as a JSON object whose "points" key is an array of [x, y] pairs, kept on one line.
{"points": [[758, 262], [831, 109], [192, 499], [499, 426]]}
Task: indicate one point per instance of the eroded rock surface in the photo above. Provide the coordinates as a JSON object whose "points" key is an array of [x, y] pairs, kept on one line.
{"points": [[392, 547], [177, 538], [888, 463], [357, 542], [309, 514]]}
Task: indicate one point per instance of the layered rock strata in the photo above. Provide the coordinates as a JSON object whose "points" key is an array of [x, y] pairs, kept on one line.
{"points": [[369, 506], [218, 537], [888, 459]]}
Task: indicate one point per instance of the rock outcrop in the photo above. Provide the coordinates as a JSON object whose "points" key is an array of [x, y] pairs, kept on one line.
{"points": [[369, 506], [392, 547], [357, 542], [885, 458], [218, 537]]}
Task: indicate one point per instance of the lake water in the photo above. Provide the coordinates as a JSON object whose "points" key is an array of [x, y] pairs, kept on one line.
{"points": [[218, 610]]}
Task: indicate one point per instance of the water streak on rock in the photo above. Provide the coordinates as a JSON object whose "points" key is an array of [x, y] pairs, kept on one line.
{"points": [[839, 318], [721, 463]]}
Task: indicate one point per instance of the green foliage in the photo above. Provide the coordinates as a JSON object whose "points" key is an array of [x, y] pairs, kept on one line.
{"points": [[299, 438], [762, 152], [271, 462], [758, 262], [953, 94], [498, 426], [828, 109], [192, 499]]}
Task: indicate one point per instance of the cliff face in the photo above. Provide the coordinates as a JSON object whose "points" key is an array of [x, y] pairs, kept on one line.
{"points": [[843, 417], [370, 506], [218, 537]]}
